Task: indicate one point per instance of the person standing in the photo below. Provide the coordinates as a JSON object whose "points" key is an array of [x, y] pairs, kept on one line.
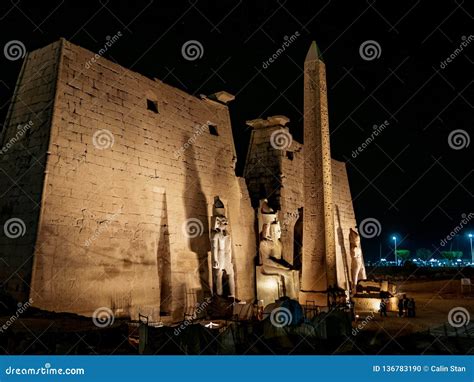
{"points": [[405, 305], [409, 307], [400, 307], [383, 307], [352, 308], [413, 307]]}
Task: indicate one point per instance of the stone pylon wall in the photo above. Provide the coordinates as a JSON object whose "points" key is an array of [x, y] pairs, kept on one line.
{"points": [[122, 182], [292, 199], [276, 173], [344, 220], [261, 167], [24, 143]]}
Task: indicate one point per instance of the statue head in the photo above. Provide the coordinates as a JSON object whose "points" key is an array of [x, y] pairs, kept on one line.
{"points": [[354, 238], [265, 207], [220, 224], [275, 230]]}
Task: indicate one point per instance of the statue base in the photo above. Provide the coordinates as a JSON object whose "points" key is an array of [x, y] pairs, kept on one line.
{"points": [[313, 298], [270, 287], [221, 307]]}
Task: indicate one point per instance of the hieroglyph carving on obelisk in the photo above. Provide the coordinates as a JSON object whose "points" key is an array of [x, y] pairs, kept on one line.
{"points": [[319, 249]]}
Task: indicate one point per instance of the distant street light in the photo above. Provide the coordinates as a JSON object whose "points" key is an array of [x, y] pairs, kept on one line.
{"points": [[394, 238], [472, 253]]}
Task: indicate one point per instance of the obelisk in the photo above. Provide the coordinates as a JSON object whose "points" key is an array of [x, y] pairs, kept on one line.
{"points": [[319, 247]]}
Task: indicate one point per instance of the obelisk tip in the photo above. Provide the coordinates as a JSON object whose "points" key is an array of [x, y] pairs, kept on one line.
{"points": [[313, 53]]}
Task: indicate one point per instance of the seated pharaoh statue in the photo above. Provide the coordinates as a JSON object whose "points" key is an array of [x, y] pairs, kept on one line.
{"points": [[271, 265]]}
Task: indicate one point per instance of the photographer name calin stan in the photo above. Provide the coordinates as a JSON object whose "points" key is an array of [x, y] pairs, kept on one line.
{"points": [[448, 369]]}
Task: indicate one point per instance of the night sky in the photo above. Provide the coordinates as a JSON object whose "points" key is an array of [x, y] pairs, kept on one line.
{"points": [[409, 178]]}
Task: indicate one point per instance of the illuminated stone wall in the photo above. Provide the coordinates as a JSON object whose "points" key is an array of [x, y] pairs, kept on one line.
{"points": [[344, 220], [274, 171], [23, 145], [122, 182], [262, 169]]}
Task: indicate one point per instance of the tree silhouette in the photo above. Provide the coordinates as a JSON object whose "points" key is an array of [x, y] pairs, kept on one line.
{"points": [[424, 254], [403, 254], [451, 256]]}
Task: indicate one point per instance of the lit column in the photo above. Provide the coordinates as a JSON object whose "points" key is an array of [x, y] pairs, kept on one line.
{"points": [[394, 238], [472, 253]]}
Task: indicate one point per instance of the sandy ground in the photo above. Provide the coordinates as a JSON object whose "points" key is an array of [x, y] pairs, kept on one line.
{"points": [[423, 334], [434, 301]]}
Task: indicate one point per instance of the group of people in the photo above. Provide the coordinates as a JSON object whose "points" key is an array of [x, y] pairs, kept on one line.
{"points": [[406, 307]]}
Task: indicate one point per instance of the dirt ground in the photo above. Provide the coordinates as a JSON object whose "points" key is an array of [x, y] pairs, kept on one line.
{"points": [[434, 300], [430, 331], [427, 333]]}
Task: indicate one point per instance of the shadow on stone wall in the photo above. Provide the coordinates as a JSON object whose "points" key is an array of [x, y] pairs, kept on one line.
{"points": [[340, 243], [164, 261], [196, 208]]}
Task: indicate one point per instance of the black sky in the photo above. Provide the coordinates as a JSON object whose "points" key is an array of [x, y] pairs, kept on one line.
{"points": [[409, 178]]}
